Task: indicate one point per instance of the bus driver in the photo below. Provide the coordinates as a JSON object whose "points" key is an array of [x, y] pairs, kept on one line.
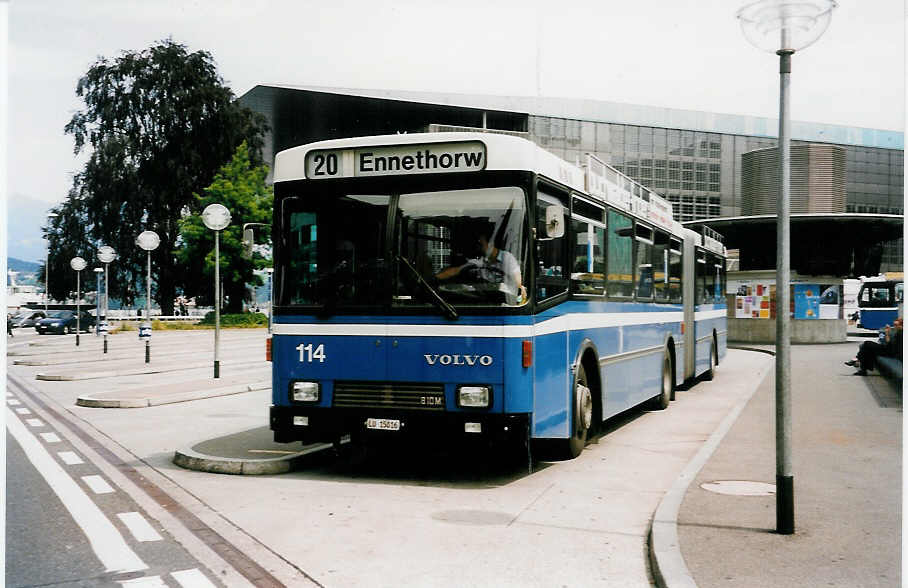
{"points": [[495, 266]]}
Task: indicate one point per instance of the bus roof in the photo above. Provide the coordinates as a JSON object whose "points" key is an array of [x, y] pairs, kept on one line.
{"points": [[358, 156]]}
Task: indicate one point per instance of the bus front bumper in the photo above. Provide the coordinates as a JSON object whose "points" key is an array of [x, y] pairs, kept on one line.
{"points": [[312, 425]]}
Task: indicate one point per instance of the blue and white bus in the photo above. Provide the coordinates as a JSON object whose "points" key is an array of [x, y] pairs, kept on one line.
{"points": [[878, 302], [473, 285]]}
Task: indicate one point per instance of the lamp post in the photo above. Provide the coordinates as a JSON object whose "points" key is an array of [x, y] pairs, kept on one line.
{"points": [[106, 254], [216, 217], [270, 271], [783, 27], [149, 241], [78, 264], [98, 271], [50, 215]]}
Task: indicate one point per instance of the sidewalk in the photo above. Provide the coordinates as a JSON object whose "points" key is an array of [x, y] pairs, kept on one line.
{"points": [[846, 445]]}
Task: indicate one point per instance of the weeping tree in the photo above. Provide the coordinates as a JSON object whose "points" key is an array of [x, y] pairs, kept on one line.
{"points": [[157, 125]]}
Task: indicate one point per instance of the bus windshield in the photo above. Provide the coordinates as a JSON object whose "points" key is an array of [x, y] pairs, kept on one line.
{"points": [[451, 247]]}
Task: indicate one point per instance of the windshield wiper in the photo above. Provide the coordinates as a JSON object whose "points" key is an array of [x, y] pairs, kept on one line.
{"points": [[434, 296]]}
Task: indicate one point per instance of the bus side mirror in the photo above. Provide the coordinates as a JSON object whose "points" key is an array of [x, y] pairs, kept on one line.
{"points": [[554, 222]]}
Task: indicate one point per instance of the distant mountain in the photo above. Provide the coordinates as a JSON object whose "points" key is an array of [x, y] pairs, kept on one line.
{"points": [[26, 267]]}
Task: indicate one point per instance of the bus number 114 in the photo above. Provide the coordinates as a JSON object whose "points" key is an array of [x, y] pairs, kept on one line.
{"points": [[308, 354]]}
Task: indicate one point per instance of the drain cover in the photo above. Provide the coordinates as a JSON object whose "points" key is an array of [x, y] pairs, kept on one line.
{"points": [[740, 488]]}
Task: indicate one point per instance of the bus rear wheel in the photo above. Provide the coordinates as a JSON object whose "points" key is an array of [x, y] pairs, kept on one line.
{"points": [[661, 401], [713, 362]]}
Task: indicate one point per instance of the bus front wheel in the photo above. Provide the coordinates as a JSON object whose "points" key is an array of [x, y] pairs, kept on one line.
{"points": [[582, 416]]}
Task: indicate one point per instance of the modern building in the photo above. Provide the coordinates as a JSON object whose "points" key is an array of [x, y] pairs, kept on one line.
{"points": [[697, 160]]}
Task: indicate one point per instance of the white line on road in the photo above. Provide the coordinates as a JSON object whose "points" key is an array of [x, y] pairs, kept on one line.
{"points": [[97, 484], [69, 457], [146, 582], [14, 402], [34, 422], [50, 437], [139, 527], [193, 578], [107, 543], [23, 410]]}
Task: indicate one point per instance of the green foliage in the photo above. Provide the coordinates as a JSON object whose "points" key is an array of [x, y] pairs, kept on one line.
{"points": [[158, 123], [240, 186], [243, 319]]}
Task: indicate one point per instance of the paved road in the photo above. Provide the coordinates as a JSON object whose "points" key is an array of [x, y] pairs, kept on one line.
{"points": [[426, 517], [68, 524]]}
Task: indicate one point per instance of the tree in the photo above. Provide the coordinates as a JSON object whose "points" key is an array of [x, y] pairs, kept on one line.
{"points": [[159, 123], [240, 186]]}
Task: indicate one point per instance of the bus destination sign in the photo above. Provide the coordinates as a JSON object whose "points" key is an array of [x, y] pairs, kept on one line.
{"points": [[429, 158]]}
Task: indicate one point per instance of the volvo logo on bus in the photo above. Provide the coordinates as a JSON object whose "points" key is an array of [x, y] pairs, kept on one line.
{"points": [[457, 359]]}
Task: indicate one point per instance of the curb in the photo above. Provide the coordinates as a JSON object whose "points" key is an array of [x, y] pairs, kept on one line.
{"points": [[192, 460], [93, 402], [667, 562], [72, 376]]}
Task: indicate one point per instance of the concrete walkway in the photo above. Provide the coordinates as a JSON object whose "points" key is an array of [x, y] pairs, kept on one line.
{"points": [[847, 440]]}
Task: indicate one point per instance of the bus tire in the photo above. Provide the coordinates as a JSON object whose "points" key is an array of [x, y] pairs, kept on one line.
{"points": [[661, 400], [581, 416], [713, 362]]}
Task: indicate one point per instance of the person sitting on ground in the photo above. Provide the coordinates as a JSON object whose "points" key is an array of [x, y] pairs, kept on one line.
{"points": [[866, 359]]}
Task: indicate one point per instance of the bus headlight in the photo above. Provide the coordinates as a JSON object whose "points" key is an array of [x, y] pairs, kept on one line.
{"points": [[305, 391], [474, 396]]}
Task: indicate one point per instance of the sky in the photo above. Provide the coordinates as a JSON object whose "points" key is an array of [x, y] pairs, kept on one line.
{"points": [[687, 54]]}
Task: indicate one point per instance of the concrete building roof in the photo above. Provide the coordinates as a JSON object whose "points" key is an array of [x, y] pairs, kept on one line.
{"points": [[633, 114]]}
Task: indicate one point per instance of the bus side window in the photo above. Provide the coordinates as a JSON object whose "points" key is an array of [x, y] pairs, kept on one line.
{"points": [[619, 255], [660, 266], [701, 273], [643, 282], [588, 265], [675, 271], [550, 252]]}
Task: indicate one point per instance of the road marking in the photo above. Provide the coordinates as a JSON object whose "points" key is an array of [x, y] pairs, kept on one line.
{"points": [[23, 410], [107, 543], [34, 422], [193, 578], [97, 484], [146, 582], [50, 437], [69, 457], [139, 527], [14, 402]]}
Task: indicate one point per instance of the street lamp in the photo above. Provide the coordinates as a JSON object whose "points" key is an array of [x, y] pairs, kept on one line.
{"points": [[783, 27], [78, 264], [216, 217], [149, 241], [98, 271], [106, 254], [50, 215]]}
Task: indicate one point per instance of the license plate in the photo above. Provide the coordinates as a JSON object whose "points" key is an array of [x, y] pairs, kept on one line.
{"points": [[383, 424]]}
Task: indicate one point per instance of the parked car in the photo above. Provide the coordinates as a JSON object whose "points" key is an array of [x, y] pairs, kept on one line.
{"points": [[64, 321], [27, 318]]}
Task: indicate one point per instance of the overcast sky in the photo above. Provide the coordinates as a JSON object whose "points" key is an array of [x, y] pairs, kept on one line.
{"points": [[687, 54]]}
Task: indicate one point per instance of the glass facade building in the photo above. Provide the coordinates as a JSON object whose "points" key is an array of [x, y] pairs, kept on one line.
{"points": [[693, 159]]}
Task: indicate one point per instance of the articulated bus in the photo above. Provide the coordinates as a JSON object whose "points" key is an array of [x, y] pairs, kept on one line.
{"points": [[475, 286]]}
